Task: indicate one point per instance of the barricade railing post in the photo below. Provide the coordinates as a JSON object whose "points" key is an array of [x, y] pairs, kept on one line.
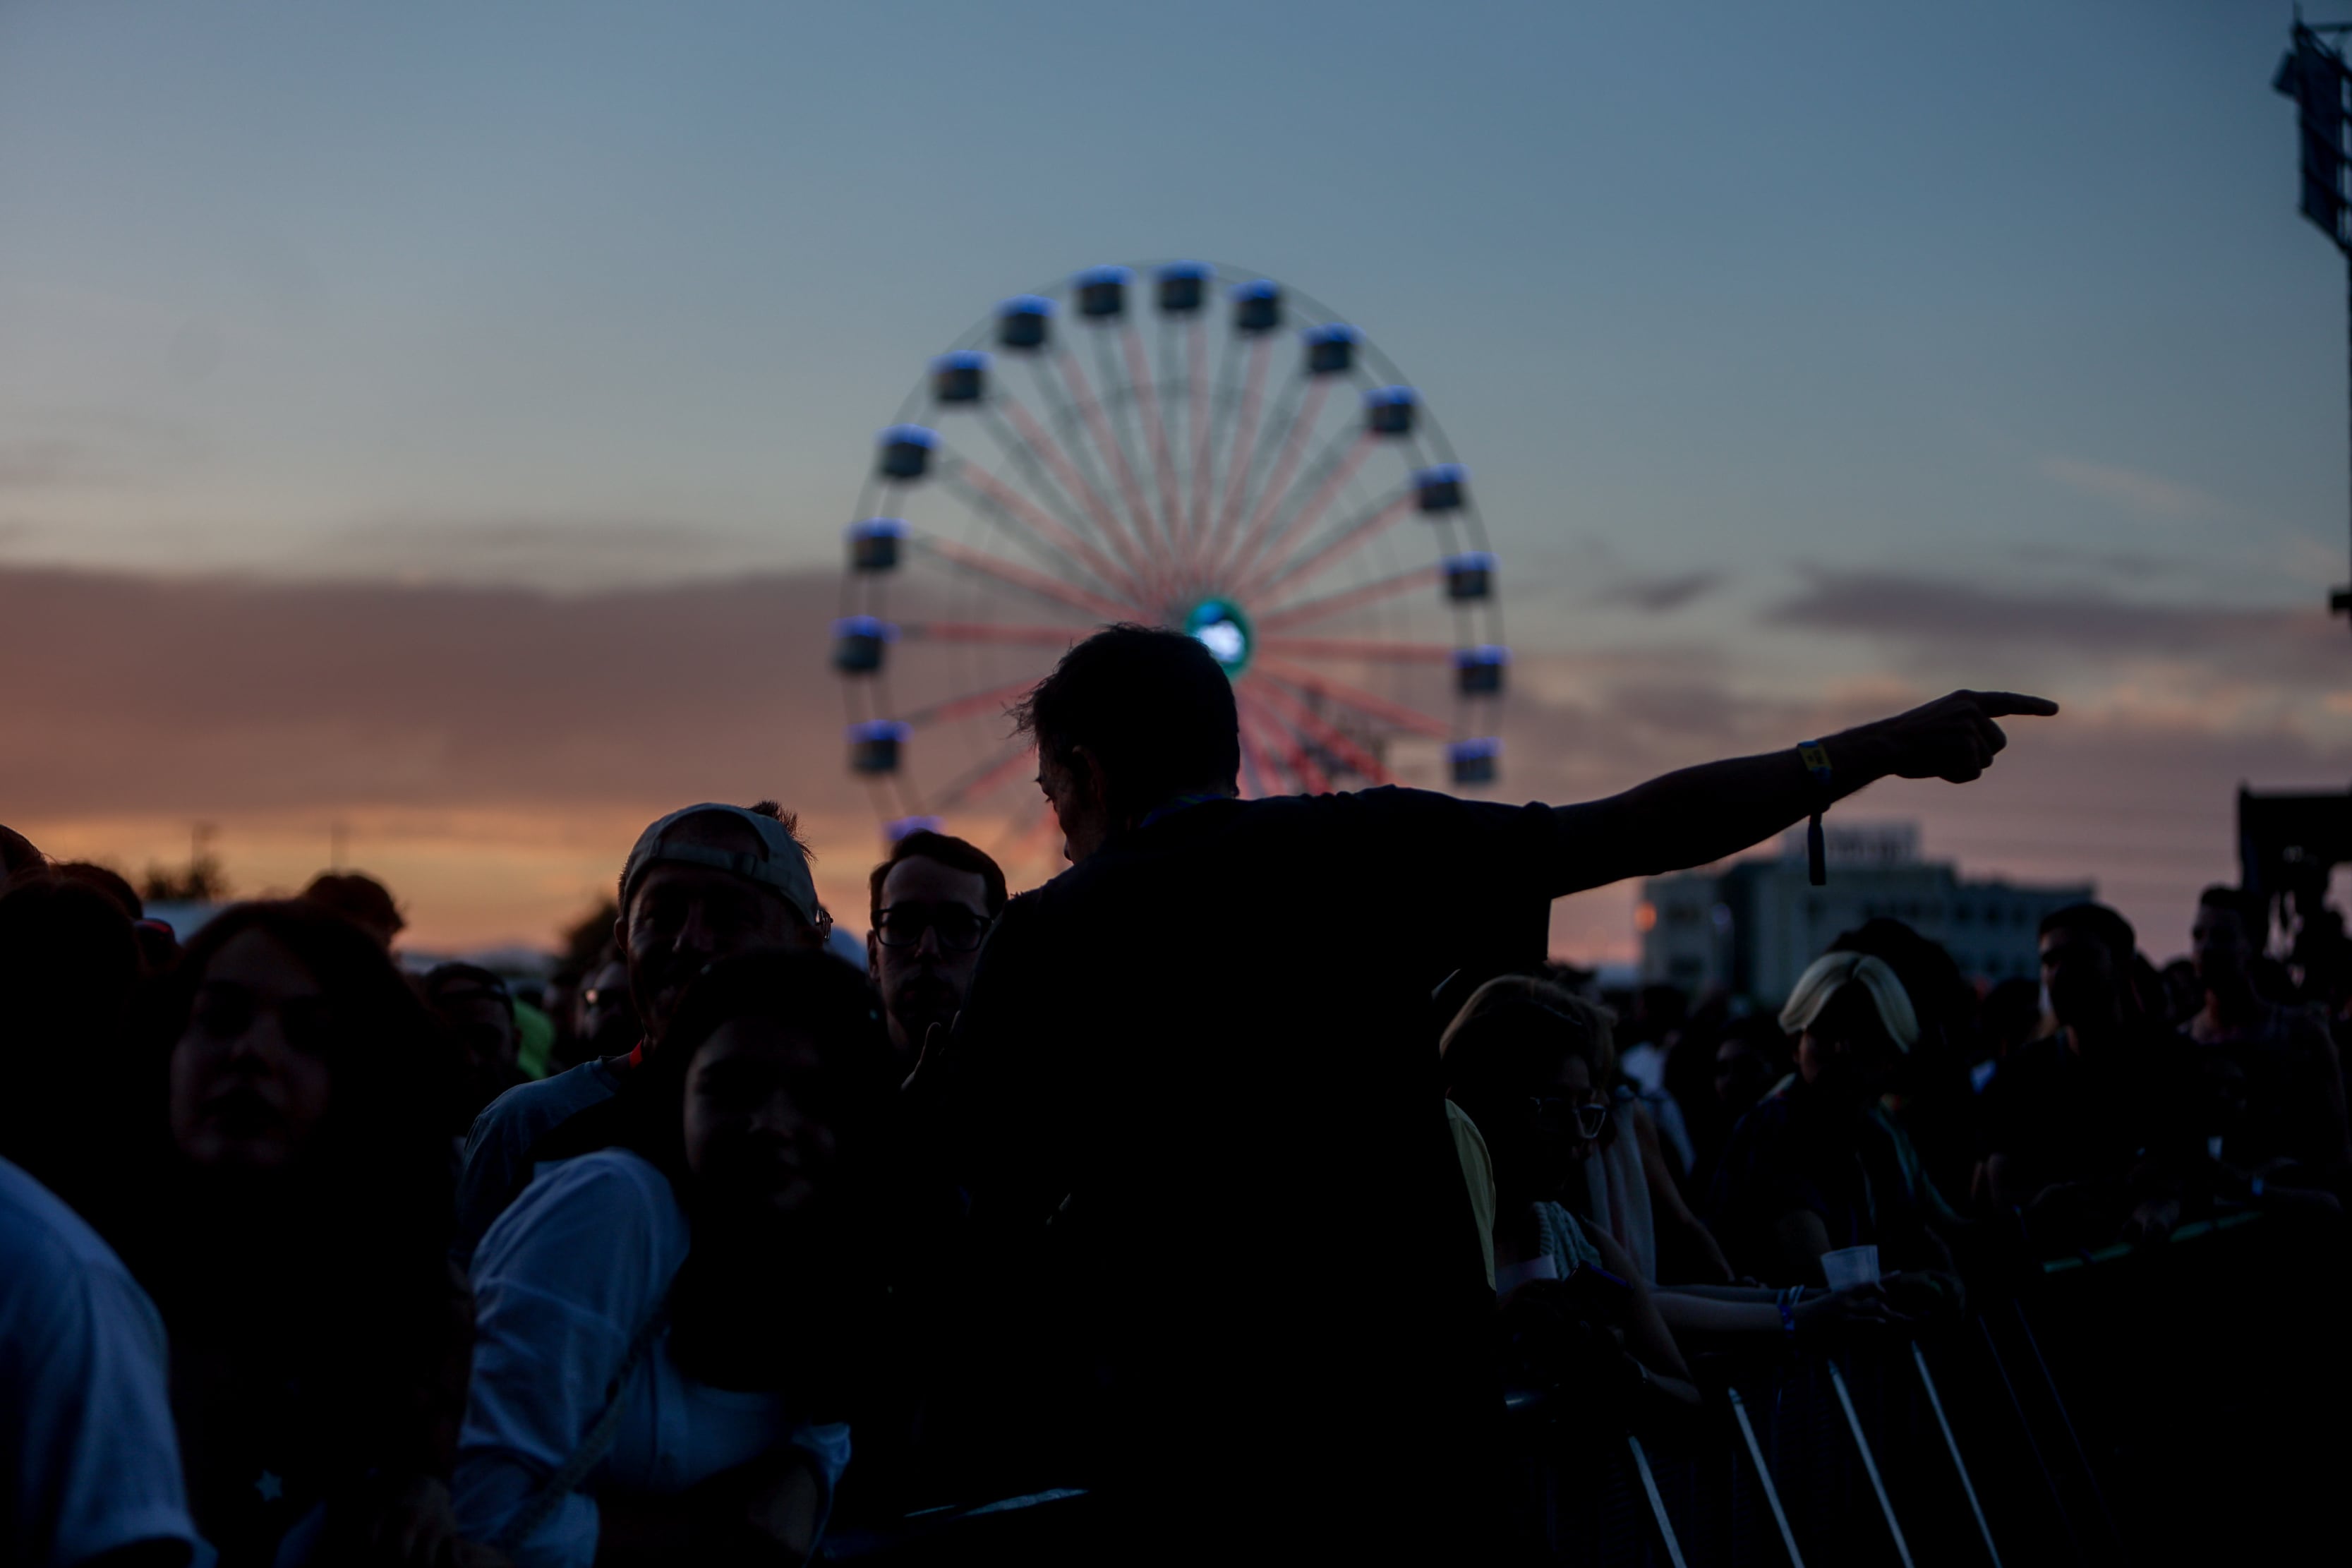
{"points": [[2066, 1420], [1657, 1503], [1952, 1447], [1764, 1475], [1869, 1462], [2033, 1443]]}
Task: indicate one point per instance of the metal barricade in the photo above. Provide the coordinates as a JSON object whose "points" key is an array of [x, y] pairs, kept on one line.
{"points": [[2179, 1402]]}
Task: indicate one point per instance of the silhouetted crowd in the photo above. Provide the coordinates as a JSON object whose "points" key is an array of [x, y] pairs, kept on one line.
{"points": [[1233, 1176]]}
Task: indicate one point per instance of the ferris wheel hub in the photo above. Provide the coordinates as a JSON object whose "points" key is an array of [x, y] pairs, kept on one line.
{"points": [[1220, 625]]}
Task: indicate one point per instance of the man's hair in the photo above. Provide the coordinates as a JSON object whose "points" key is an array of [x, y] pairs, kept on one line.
{"points": [[955, 854], [1154, 708], [1516, 1029], [109, 882], [774, 812], [443, 978], [355, 897], [2102, 925], [2249, 909]]}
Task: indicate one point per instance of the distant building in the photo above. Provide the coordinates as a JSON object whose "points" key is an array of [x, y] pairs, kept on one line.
{"points": [[1754, 924]]}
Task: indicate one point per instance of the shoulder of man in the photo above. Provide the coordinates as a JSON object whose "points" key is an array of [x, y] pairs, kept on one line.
{"points": [[609, 1201], [520, 1115]]}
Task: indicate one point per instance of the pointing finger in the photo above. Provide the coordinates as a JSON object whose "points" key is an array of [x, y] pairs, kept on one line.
{"points": [[1999, 704]]}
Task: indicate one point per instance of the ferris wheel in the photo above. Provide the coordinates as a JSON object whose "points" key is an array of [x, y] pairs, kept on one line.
{"points": [[1183, 445]]}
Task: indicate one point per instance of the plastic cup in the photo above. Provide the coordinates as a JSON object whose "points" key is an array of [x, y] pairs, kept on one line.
{"points": [[1849, 1265]]}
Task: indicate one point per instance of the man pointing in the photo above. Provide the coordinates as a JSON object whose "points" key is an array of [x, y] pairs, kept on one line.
{"points": [[1194, 1095]]}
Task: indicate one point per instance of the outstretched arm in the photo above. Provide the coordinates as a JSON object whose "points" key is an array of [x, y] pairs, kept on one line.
{"points": [[1702, 814]]}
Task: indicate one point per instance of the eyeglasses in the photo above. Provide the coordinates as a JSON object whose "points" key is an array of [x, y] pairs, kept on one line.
{"points": [[1558, 1113], [957, 929]]}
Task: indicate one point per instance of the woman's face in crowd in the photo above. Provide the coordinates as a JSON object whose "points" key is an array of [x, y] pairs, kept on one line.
{"points": [[1532, 1136], [1856, 1061], [249, 1078], [759, 1132]]}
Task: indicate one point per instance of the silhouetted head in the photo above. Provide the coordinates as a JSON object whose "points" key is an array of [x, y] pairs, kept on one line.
{"points": [[477, 1008], [775, 1065], [1752, 1056], [68, 966], [17, 854], [2013, 1016], [1131, 719], [113, 883], [931, 903], [295, 1043], [361, 899], [1853, 1023], [1942, 998], [707, 882], [2226, 937], [2086, 955], [603, 1019], [1530, 1064]]}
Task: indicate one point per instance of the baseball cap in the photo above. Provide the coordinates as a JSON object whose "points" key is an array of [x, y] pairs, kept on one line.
{"points": [[1833, 973], [782, 864]]}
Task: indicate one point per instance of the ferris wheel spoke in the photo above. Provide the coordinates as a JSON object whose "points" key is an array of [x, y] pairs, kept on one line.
{"points": [[1155, 425], [1347, 537], [1250, 491], [1304, 410], [1035, 439], [1249, 558], [1055, 490], [1074, 375], [1053, 384], [991, 497], [1120, 415], [975, 782], [1303, 520], [1036, 582], [1308, 610], [1279, 741], [1244, 445], [1197, 488], [1346, 696], [992, 632], [964, 707], [1310, 724], [1374, 650]]}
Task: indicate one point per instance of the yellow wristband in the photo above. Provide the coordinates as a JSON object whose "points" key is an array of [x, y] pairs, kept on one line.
{"points": [[1816, 759]]}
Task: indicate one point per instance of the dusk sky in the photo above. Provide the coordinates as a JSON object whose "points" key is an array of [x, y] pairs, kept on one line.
{"points": [[439, 419]]}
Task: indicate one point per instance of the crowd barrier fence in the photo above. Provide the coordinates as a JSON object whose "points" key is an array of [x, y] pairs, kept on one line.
{"points": [[2179, 1402]]}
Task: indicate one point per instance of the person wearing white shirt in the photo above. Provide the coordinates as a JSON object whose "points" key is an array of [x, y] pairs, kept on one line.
{"points": [[85, 1412], [665, 1328]]}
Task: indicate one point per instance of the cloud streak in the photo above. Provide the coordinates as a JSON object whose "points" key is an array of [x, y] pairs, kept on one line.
{"points": [[1933, 616], [495, 747]]}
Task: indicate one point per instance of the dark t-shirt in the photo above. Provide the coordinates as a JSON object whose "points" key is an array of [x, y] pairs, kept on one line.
{"points": [[2291, 1085], [1195, 1088], [2128, 1107], [1795, 1153]]}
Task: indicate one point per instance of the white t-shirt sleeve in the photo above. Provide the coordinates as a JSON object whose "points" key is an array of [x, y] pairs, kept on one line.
{"points": [[562, 1282], [85, 1410]]}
